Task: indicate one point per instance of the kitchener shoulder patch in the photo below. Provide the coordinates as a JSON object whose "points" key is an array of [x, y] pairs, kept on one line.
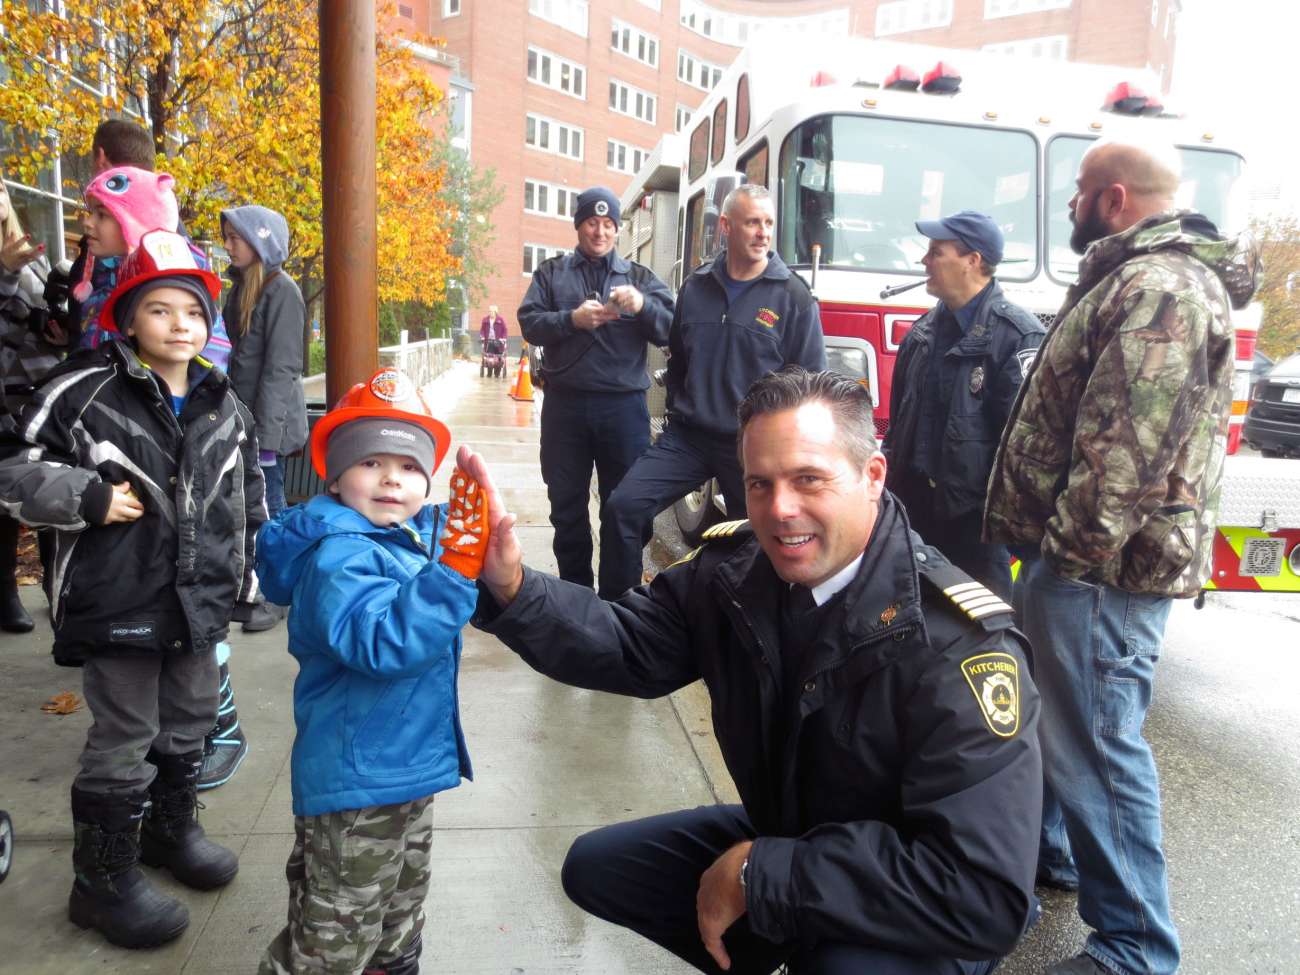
{"points": [[727, 529], [994, 679]]}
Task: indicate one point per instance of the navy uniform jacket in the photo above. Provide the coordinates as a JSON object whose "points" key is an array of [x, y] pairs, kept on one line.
{"points": [[608, 359], [717, 350], [1001, 344], [903, 809]]}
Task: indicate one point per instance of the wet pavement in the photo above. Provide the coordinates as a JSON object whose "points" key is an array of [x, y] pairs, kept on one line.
{"points": [[552, 762]]}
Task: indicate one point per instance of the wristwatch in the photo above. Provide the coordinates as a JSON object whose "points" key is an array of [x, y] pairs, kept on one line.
{"points": [[744, 874]]}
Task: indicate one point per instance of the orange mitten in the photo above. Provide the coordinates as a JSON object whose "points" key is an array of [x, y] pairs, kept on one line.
{"points": [[464, 541]]}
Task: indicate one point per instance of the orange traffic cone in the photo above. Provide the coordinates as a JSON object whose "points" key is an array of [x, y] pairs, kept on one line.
{"points": [[522, 388]]}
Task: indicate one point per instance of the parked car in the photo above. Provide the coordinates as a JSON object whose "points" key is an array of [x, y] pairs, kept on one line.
{"points": [[1273, 419]]}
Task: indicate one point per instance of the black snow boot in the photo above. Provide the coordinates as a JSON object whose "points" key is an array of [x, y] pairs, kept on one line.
{"points": [[225, 746], [407, 963], [172, 836], [13, 617], [110, 893]]}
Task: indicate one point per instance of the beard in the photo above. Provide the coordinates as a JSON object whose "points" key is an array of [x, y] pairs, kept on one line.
{"points": [[1087, 230]]}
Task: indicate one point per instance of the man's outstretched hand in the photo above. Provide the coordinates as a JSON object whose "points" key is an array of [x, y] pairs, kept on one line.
{"points": [[720, 901], [503, 562]]}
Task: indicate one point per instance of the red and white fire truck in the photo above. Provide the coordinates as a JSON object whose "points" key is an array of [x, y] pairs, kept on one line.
{"points": [[858, 139]]}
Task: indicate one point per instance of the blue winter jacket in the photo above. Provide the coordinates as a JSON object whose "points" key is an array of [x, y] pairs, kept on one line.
{"points": [[375, 624]]}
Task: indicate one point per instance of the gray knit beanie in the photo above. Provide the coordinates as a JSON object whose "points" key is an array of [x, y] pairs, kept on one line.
{"points": [[356, 440]]}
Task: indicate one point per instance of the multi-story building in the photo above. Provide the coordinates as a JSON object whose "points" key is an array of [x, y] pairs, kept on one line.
{"points": [[559, 95], [569, 93]]}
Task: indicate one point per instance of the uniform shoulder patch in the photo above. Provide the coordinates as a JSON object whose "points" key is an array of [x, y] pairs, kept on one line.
{"points": [[727, 529], [994, 679], [1026, 359]]}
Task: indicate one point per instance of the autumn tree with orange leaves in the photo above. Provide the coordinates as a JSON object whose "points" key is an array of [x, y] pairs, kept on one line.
{"points": [[231, 94]]}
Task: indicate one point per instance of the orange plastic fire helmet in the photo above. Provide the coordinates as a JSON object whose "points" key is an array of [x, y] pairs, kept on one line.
{"points": [[389, 394]]}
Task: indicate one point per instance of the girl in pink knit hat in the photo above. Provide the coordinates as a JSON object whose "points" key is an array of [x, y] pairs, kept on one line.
{"points": [[123, 204]]}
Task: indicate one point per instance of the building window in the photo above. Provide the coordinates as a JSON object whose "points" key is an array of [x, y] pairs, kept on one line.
{"points": [[549, 199], [1155, 13], [569, 14], [624, 158], [635, 43], [556, 72], [737, 30], [682, 117], [404, 11], [627, 100], [1013, 8], [697, 72], [548, 135], [462, 116], [902, 16], [1054, 48], [451, 8], [535, 254]]}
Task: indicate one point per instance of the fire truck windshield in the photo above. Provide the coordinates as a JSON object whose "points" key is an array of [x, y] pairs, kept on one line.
{"points": [[1211, 184], [857, 185]]}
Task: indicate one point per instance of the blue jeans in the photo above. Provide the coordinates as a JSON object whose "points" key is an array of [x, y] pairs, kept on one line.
{"points": [[1094, 652], [274, 476]]}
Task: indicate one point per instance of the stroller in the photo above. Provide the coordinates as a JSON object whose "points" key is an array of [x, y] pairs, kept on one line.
{"points": [[493, 362]]}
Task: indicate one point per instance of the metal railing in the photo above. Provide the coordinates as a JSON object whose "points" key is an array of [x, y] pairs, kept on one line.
{"points": [[422, 361]]}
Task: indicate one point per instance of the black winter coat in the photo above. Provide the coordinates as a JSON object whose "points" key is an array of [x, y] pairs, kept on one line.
{"points": [[170, 581], [608, 359], [897, 816], [1001, 344], [717, 351]]}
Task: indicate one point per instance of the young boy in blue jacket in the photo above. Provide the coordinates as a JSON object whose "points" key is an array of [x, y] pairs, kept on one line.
{"points": [[379, 584]]}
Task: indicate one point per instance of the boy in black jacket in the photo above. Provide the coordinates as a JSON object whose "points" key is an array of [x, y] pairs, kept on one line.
{"points": [[143, 459]]}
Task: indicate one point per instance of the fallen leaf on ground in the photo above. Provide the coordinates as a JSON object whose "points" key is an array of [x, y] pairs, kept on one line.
{"points": [[64, 703]]}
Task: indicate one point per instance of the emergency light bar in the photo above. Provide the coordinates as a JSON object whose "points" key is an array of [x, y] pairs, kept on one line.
{"points": [[1129, 99], [902, 78], [942, 79]]}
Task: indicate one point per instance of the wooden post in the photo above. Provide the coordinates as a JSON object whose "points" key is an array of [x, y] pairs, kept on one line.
{"points": [[347, 109]]}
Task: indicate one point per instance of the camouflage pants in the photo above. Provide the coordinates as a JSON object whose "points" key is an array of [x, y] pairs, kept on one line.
{"points": [[357, 883]]}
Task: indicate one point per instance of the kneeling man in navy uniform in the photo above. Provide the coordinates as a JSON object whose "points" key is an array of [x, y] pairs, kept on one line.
{"points": [[871, 701]]}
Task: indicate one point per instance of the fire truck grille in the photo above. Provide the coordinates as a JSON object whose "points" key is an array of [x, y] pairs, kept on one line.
{"points": [[882, 426]]}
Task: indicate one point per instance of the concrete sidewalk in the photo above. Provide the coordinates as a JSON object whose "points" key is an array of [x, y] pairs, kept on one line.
{"points": [[550, 763]]}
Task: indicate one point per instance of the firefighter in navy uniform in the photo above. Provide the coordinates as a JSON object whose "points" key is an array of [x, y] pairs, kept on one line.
{"points": [[956, 376], [593, 314], [871, 701]]}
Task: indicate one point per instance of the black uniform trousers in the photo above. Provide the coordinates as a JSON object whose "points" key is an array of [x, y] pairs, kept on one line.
{"points": [[580, 430], [644, 875], [957, 538], [681, 460]]}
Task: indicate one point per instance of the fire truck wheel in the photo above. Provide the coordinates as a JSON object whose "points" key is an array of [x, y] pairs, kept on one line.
{"points": [[6, 844], [698, 511]]}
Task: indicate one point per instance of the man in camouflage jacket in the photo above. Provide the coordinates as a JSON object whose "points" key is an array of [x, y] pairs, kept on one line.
{"points": [[1109, 470]]}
